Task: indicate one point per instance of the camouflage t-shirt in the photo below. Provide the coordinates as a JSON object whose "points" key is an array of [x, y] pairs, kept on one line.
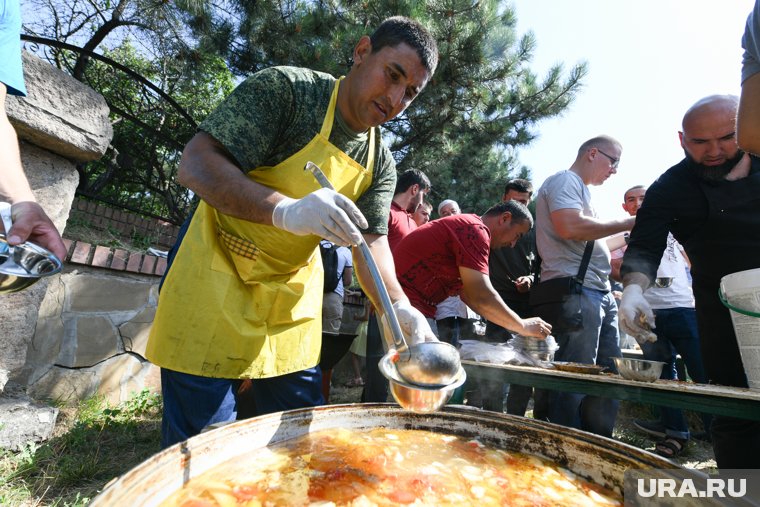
{"points": [[277, 111]]}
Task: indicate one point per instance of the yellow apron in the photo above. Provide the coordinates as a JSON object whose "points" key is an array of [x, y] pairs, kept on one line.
{"points": [[244, 300]]}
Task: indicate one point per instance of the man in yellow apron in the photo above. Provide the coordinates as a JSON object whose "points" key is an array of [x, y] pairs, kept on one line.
{"points": [[243, 296]]}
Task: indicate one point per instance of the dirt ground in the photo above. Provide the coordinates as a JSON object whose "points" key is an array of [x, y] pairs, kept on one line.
{"points": [[697, 454]]}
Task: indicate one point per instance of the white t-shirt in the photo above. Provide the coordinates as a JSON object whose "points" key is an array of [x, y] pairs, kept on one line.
{"points": [[562, 257], [672, 265], [453, 306]]}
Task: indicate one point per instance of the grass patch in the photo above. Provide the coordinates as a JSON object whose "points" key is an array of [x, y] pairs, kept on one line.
{"points": [[696, 454], [98, 442]]}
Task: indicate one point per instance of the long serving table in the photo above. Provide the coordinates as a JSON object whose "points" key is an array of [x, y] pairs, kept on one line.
{"points": [[728, 401]]}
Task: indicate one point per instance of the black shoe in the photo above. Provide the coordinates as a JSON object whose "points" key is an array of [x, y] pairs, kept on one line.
{"points": [[654, 428]]}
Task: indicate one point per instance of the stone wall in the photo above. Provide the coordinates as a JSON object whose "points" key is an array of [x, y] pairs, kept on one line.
{"points": [[60, 123], [91, 335], [93, 326]]}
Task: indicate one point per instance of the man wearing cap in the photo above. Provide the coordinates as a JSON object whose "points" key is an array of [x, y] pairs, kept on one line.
{"points": [[448, 207]]}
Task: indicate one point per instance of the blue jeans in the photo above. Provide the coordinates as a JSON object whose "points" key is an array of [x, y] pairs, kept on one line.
{"points": [[676, 330], [192, 402], [595, 343]]}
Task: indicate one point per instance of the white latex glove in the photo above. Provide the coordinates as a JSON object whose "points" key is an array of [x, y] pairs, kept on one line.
{"points": [[636, 317], [413, 324], [324, 213]]}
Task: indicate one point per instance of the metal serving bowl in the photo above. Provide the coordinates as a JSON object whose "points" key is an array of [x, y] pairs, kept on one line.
{"points": [[539, 349], [24, 264], [638, 369]]}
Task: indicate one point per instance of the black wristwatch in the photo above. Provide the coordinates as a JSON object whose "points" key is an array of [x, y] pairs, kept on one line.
{"points": [[626, 237]]}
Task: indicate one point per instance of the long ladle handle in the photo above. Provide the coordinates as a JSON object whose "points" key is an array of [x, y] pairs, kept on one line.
{"points": [[385, 300]]}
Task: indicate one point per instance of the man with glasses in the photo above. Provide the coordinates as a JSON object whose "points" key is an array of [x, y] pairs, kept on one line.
{"points": [[585, 323]]}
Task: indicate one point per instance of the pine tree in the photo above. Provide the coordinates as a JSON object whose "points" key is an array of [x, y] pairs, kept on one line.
{"points": [[466, 128]]}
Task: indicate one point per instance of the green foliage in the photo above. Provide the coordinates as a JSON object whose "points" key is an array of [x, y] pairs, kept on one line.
{"points": [[465, 130], [103, 442], [149, 38], [139, 167]]}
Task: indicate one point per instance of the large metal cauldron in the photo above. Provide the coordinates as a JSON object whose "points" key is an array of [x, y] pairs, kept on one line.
{"points": [[598, 459]]}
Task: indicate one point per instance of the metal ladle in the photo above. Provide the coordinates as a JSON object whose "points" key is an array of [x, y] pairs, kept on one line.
{"points": [[432, 365], [9, 265]]}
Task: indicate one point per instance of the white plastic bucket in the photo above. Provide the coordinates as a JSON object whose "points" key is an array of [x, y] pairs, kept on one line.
{"points": [[740, 292]]}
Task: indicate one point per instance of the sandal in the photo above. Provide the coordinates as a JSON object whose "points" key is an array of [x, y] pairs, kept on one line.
{"points": [[670, 447]]}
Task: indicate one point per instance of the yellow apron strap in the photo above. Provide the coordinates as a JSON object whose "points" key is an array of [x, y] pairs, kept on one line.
{"points": [[327, 124], [371, 154]]}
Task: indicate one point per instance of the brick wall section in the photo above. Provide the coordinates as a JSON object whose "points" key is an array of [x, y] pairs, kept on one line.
{"points": [[101, 216], [113, 258]]}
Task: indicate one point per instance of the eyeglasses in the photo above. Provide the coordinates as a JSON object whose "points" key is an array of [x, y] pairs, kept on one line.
{"points": [[614, 162]]}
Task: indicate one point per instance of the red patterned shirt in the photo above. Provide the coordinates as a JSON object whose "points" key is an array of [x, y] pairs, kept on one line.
{"points": [[428, 259]]}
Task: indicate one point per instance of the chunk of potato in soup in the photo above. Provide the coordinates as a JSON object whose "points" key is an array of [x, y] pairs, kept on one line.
{"points": [[388, 467]]}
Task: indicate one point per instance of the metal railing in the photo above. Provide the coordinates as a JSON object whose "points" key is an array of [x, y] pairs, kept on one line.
{"points": [[137, 172]]}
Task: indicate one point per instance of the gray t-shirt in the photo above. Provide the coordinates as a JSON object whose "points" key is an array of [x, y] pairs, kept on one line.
{"points": [[561, 257], [751, 44]]}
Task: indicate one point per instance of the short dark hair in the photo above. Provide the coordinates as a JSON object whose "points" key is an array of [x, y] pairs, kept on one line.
{"points": [[519, 185], [411, 177], [397, 29], [518, 210], [635, 187]]}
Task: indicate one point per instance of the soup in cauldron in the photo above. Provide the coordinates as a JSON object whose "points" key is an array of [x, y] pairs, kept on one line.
{"points": [[388, 467]]}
